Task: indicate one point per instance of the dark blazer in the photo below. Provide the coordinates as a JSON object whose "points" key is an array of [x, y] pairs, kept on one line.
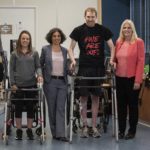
{"points": [[46, 62]]}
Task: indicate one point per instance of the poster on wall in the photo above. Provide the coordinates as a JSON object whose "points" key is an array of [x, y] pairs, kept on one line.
{"points": [[6, 29]]}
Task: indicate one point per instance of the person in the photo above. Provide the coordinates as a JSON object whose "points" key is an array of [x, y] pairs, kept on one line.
{"points": [[1, 47], [54, 63], [129, 57], [24, 66], [91, 37], [4, 78]]}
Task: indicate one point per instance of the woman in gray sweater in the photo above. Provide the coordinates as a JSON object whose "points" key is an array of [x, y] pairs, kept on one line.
{"points": [[25, 72]]}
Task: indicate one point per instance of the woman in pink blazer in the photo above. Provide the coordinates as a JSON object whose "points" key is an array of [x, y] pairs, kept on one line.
{"points": [[129, 58]]}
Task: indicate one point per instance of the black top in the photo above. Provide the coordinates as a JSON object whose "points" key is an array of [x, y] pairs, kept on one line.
{"points": [[91, 44]]}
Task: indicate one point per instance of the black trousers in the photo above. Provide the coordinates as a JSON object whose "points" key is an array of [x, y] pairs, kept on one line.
{"points": [[127, 100]]}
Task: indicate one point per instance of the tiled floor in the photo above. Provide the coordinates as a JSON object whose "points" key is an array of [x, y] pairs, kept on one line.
{"points": [[106, 142]]}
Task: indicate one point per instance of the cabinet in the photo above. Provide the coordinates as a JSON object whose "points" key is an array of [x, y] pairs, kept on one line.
{"points": [[144, 108]]}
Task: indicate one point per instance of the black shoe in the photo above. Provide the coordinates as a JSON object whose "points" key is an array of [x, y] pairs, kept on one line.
{"points": [[121, 135], [30, 134], [64, 139], [55, 138], [129, 136], [18, 134]]}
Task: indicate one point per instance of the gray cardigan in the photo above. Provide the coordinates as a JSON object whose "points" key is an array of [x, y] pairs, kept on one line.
{"points": [[46, 62], [24, 68]]}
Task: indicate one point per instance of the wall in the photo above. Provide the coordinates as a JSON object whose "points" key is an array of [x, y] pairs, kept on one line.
{"points": [[65, 14], [113, 14], [141, 16], [18, 19]]}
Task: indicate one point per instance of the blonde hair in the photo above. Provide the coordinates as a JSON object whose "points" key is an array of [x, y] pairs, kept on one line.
{"points": [[134, 34], [90, 9]]}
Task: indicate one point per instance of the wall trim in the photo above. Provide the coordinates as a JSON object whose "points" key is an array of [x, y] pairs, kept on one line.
{"points": [[99, 11]]}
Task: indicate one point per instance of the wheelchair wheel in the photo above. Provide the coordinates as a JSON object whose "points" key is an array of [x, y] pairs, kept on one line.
{"points": [[105, 127], [105, 118], [105, 114], [38, 131], [75, 128]]}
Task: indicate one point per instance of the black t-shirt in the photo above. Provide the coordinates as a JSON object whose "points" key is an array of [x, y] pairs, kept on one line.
{"points": [[91, 44]]}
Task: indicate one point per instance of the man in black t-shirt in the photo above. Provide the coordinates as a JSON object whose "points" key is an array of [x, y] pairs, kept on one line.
{"points": [[91, 37]]}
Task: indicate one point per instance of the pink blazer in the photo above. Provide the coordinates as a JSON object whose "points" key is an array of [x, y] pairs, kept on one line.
{"points": [[135, 59]]}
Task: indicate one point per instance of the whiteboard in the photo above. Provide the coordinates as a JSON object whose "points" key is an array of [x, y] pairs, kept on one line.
{"points": [[21, 18]]}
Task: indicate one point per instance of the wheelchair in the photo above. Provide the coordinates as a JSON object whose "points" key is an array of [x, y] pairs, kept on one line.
{"points": [[39, 109], [3, 73]]}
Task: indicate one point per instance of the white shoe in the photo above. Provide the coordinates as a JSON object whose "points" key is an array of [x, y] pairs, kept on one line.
{"points": [[96, 133], [84, 133]]}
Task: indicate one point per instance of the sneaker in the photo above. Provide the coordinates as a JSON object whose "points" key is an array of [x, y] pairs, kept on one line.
{"points": [[30, 134], [96, 133], [84, 133], [18, 134]]}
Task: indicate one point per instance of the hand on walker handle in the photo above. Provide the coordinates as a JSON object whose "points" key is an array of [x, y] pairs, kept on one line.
{"points": [[72, 65], [113, 64], [14, 88], [40, 81], [72, 68]]}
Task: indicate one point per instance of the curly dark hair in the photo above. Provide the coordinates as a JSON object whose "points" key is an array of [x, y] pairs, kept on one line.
{"points": [[51, 32]]}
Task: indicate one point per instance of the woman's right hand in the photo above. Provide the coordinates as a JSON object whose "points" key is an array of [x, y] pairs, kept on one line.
{"points": [[72, 67]]}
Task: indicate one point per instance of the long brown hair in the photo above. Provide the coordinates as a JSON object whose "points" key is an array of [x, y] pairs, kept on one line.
{"points": [[19, 46]]}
